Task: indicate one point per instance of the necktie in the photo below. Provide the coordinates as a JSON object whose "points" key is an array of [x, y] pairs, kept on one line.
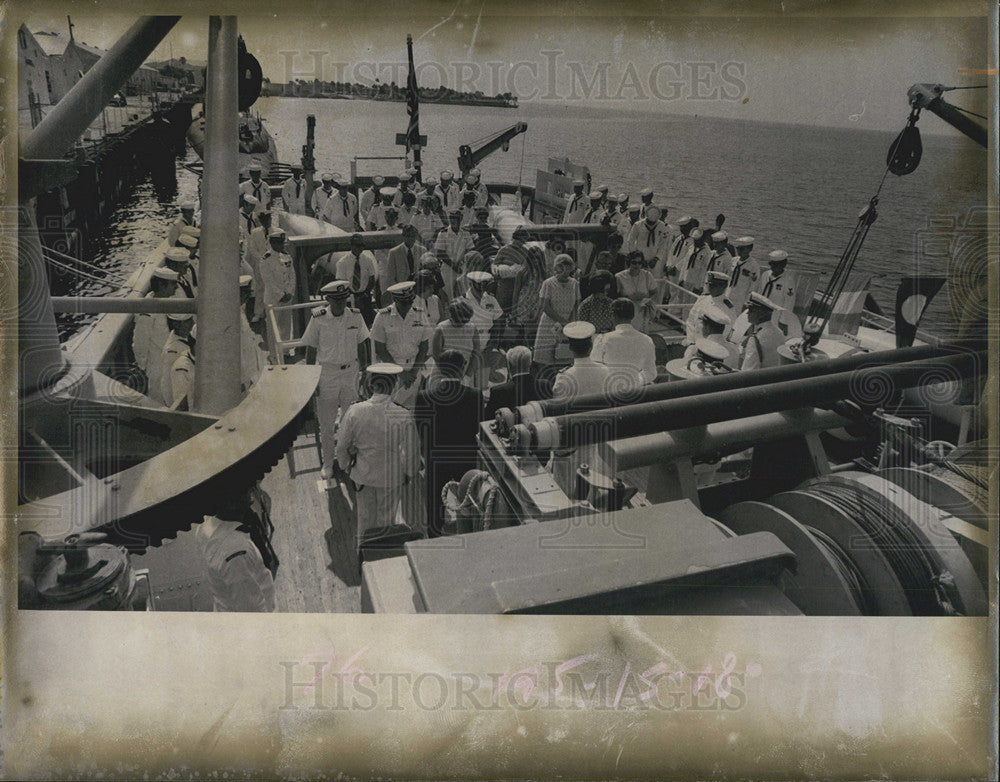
{"points": [[589, 214], [444, 194], [649, 235], [256, 191], [249, 223], [678, 244], [343, 202], [409, 259], [768, 286], [356, 277], [693, 257], [711, 261], [298, 186], [736, 275]]}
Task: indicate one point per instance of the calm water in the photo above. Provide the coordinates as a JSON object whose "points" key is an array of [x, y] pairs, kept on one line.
{"points": [[795, 187]]}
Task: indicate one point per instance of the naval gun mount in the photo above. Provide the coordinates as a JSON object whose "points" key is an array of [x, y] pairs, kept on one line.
{"points": [[798, 535]]}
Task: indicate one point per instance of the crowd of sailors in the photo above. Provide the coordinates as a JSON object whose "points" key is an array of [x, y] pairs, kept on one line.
{"points": [[420, 342]]}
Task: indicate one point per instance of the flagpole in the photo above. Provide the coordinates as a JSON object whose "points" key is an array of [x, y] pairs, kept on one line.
{"points": [[413, 109]]}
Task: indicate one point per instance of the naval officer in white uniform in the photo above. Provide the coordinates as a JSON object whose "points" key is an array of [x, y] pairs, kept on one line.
{"points": [[400, 335], [759, 347], [337, 339]]}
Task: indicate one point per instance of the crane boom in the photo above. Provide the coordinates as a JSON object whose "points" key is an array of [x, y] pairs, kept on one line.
{"points": [[469, 158], [928, 96]]}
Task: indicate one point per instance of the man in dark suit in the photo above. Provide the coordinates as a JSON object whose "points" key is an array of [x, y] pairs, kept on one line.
{"points": [[447, 414], [520, 386]]}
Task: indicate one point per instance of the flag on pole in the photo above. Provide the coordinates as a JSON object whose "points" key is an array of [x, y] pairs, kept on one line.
{"points": [[412, 103], [846, 315], [912, 297]]}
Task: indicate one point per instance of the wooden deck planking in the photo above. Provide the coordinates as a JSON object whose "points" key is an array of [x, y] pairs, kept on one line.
{"points": [[313, 537]]}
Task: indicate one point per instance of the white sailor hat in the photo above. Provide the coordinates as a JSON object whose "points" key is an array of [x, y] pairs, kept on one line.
{"points": [[757, 300], [720, 236], [777, 256], [715, 276], [337, 178], [163, 273], [622, 197], [188, 241], [378, 181], [402, 289], [744, 241], [406, 176], [327, 177], [603, 188], [255, 167], [652, 212], [191, 230], [277, 233], [430, 183], [338, 289], [612, 198], [388, 190], [447, 176], [187, 206], [711, 349], [476, 173], [251, 200], [180, 316], [578, 183], [596, 195], [384, 368], [412, 171], [470, 179], [716, 315], [646, 191], [696, 233], [296, 166], [177, 255], [635, 208], [245, 280], [479, 277], [579, 329], [684, 220]]}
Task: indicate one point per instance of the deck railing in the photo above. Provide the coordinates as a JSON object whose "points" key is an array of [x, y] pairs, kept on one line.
{"points": [[277, 347]]}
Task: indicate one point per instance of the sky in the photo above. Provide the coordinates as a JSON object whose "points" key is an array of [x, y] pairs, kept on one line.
{"points": [[843, 68]]}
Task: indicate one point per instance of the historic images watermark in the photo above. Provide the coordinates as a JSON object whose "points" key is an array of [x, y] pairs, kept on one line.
{"points": [[584, 682], [551, 77]]}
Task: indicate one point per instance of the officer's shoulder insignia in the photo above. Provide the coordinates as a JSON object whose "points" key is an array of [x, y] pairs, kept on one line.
{"points": [[317, 311]]}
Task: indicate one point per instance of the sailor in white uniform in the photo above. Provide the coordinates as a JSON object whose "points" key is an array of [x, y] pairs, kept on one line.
{"points": [[577, 205], [253, 358], [404, 187], [645, 200], [628, 221], [337, 339], [626, 351], [185, 218], [248, 221], [293, 191], [778, 285], [376, 215], [178, 259], [482, 194], [400, 335], [595, 212], [448, 192], [696, 265], [256, 187], [160, 371], [378, 448], [278, 276], [450, 248], [369, 199], [182, 372], [744, 273], [714, 325], [321, 194], [649, 237], [759, 346], [341, 209], [427, 223], [150, 330], [721, 260]]}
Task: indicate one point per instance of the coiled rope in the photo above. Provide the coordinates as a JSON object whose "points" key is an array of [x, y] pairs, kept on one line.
{"points": [[855, 579], [928, 590]]}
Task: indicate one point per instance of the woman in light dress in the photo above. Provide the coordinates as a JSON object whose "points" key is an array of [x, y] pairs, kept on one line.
{"points": [[637, 284], [560, 299]]}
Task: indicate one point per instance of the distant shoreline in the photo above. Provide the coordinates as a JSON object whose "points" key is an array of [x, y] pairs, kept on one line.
{"points": [[447, 100]]}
